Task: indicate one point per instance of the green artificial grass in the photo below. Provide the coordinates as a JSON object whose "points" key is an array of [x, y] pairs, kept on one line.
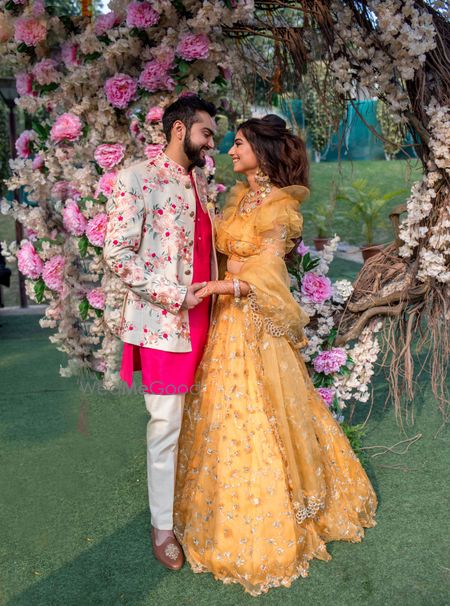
{"points": [[74, 512]]}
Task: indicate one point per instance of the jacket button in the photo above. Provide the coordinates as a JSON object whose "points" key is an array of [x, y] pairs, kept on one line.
{"points": [[187, 272]]}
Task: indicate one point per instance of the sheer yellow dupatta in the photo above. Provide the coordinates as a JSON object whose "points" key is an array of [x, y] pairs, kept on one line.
{"points": [[277, 224]]}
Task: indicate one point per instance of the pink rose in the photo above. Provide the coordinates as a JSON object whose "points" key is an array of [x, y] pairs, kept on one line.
{"points": [[73, 219], [104, 23], [106, 183], [30, 31], [66, 128], [23, 143], [151, 151], [24, 84], [154, 114], [120, 90], [327, 394], [53, 273], [96, 229], [220, 188], [193, 46], [96, 298], [107, 156], [316, 288], [330, 361], [45, 71], [302, 249], [29, 262], [69, 54], [141, 15], [155, 76]]}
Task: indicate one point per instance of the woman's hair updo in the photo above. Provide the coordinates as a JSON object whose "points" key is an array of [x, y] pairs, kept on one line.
{"points": [[280, 154]]}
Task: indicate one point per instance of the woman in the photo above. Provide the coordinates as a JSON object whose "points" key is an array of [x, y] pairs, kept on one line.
{"points": [[265, 476]]}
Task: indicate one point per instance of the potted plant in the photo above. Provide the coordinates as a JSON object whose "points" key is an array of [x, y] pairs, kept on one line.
{"points": [[365, 206], [321, 216]]}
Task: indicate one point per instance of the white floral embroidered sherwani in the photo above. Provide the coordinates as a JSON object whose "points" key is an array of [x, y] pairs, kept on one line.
{"points": [[149, 245]]}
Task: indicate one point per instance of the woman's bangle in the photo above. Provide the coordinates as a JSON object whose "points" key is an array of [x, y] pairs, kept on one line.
{"points": [[237, 290]]}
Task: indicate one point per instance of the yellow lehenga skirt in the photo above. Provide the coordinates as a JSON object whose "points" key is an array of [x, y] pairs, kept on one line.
{"points": [[265, 475]]}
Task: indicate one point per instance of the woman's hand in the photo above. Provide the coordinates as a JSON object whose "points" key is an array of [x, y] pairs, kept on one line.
{"points": [[222, 287]]}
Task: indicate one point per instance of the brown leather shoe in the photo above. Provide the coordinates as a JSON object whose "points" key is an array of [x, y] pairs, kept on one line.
{"points": [[169, 553]]}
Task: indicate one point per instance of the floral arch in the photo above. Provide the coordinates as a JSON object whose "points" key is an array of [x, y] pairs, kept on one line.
{"points": [[94, 90]]}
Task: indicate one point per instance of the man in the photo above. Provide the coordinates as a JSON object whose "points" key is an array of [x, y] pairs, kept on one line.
{"points": [[159, 242]]}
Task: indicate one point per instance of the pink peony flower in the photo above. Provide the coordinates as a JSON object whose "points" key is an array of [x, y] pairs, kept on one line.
{"points": [[327, 394], [73, 220], [64, 189], [209, 163], [69, 54], [23, 143], [53, 273], [106, 184], [30, 31], [107, 156], [316, 288], [66, 128], [154, 114], [38, 162], [221, 188], [302, 249], [45, 71], [193, 46], [96, 229], [120, 90], [155, 76], [141, 15], [330, 361], [24, 84], [38, 8], [30, 234], [96, 298], [29, 262], [151, 151], [104, 23]]}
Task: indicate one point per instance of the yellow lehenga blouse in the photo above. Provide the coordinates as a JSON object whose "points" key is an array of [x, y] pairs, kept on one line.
{"points": [[266, 476]]}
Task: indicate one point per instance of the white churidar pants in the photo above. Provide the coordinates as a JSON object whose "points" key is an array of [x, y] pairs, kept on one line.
{"points": [[163, 429]]}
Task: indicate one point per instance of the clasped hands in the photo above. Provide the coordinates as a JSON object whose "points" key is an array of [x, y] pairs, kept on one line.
{"points": [[200, 290]]}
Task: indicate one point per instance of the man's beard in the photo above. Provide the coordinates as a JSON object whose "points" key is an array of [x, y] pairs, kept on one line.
{"points": [[193, 152]]}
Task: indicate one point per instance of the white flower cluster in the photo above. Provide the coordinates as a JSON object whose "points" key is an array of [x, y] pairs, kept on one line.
{"points": [[364, 353], [434, 252]]}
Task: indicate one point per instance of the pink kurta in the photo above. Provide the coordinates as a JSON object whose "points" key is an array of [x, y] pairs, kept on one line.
{"points": [[165, 372]]}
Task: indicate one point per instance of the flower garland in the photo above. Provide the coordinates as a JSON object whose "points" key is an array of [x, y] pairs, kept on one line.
{"points": [[95, 93]]}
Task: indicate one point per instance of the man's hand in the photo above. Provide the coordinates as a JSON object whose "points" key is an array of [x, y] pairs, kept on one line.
{"points": [[191, 299]]}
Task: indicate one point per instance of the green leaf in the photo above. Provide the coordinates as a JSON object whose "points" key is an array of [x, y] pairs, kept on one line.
{"points": [[39, 288], [83, 244], [84, 308], [48, 88], [92, 57], [98, 312], [98, 250]]}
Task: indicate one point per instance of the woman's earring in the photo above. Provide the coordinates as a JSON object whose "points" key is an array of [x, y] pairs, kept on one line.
{"points": [[261, 178]]}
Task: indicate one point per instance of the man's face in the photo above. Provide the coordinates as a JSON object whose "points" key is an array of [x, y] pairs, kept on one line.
{"points": [[199, 140]]}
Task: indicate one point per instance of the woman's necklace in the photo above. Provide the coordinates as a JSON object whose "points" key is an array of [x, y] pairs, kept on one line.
{"points": [[253, 199]]}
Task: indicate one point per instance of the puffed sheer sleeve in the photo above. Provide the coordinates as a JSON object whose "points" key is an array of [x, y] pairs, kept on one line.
{"points": [[273, 307]]}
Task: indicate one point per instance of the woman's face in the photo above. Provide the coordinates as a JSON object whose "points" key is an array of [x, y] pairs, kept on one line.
{"points": [[243, 156]]}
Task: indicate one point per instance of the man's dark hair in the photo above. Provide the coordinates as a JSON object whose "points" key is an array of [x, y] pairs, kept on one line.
{"points": [[185, 109]]}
